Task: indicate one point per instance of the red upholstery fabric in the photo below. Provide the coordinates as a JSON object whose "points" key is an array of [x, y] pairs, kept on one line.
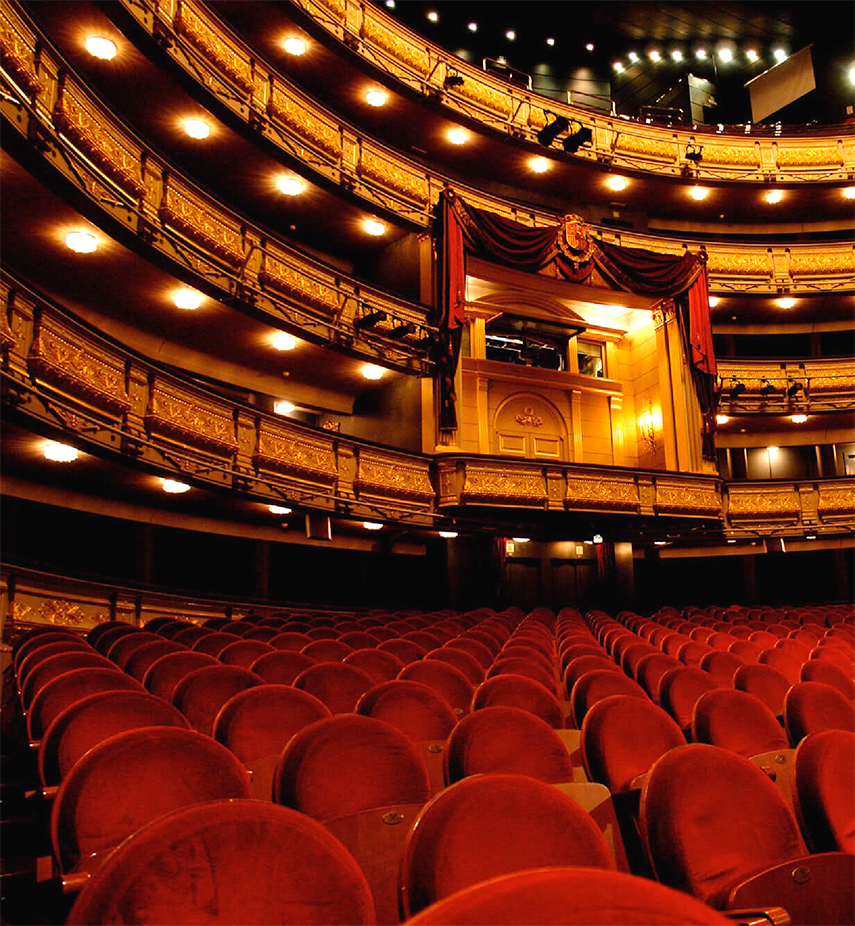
{"points": [[281, 667], [745, 650], [721, 667], [736, 721], [492, 642], [104, 641], [474, 648], [359, 639], [290, 640], [95, 633], [818, 670], [189, 635], [214, 643], [146, 656], [35, 657], [265, 634], [444, 679], [506, 739], [709, 817], [492, 825], [567, 897], [788, 664], [764, 683], [239, 627], [228, 862], [419, 712], [824, 769], [380, 665], [258, 722], [622, 737], [631, 657], [514, 650], [29, 642], [519, 691], [327, 650], [201, 693], [244, 653], [673, 643], [763, 639], [839, 657], [54, 666], [679, 691], [91, 720], [691, 653], [650, 670], [405, 650], [321, 632], [335, 684], [577, 667], [463, 661], [720, 641], [811, 707], [348, 764], [133, 778]]}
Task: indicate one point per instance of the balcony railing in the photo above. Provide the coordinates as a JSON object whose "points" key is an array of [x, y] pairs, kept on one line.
{"points": [[786, 387]]}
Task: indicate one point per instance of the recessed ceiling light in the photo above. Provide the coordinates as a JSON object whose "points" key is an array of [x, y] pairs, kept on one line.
{"points": [[798, 419], [448, 535], [283, 341], [751, 55], [589, 46], [510, 35], [810, 536], [390, 4], [472, 27], [633, 57], [278, 509], [774, 196], [849, 192], [617, 183], [374, 227], [521, 539], [457, 135], [852, 75], [539, 165], [786, 302], [676, 54], [372, 526], [187, 299], [59, 453], [654, 55], [701, 53], [780, 54], [102, 48], [721, 419], [376, 98], [283, 407], [731, 541], [372, 371], [714, 301], [618, 66], [433, 16], [550, 41], [173, 487], [772, 449], [197, 128], [290, 186], [294, 46], [725, 55], [699, 193], [660, 543], [81, 242]]}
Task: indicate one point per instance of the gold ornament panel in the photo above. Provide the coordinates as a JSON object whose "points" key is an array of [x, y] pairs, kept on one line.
{"points": [[601, 492], [504, 485], [685, 498], [181, 416], [763, 503], [190, 23], [390, 477], [197, 220], [280, 451]]}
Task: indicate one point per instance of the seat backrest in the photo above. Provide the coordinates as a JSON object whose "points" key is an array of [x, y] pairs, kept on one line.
{"points": [[651, 668], [465, 662], [337, 685], [736, 721], [54, 666], [214, 643], [244, 653], [406, 650], [679, 690], [745, 650], [419, 712], [327, 650], [105, 640], [491, 825], [764, 683], [622, 738], [708, 816], [577, 667], [37, 655], [380, 665], [281, 667], [91, 720], [569, 895], [347, 764], [474, 648], [523, 665], [721, 666], [446, 680], [201, 693], [787, 663], [602, 683], [506, 739], [818, 670], [258, 722], [42, 636], [165, 673], [290, 640], [133, 778], [811, 707], [519, 691], [125, 646], [824, 769], [262, 864], [143, 658]]}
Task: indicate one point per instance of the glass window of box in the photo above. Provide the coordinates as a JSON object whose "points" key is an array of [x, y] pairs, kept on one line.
{"points": [[528, 342], [590, 357]]}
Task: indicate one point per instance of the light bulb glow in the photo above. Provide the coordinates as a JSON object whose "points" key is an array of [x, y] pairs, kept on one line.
{"points": [[376, 98], [100, 47], [701, 54], [618, 66], [283, 341], [278, 509], [721, 419], [660, 543], [617, 183], [725, 55], [633, 57], [521, 539], [751, 55], [539, 165], [372, 371], [589, 46], [457, 135], [283, 407], [173, 487], [187, 299], [714, 301], [294, 46], [374, 228], [774, 196], [197, 128], [81, 242], [799, 419], [433, 16], [372, 526], [510, 35], [290, 186], [849, 192], [59, 453], [550, 42], [448, 535], [699, 193], [472, 27], [787, 302], [780, 54], [655, 56], [676, 55]]}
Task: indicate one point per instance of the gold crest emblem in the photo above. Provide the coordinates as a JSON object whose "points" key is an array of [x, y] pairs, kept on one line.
{"points": [[574, 240]]}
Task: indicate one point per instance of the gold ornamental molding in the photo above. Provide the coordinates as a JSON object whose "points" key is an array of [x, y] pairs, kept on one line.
{"points": [[687, 498], [191, 418], [280, 450], [836, 502], [600, 492], [497, 484], [763, 503], [821, 155], [379, 475]]}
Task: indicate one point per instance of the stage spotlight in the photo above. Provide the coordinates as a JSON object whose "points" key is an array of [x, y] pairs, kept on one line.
{"points": [[547, 135], [582, 136], [369, 320]]}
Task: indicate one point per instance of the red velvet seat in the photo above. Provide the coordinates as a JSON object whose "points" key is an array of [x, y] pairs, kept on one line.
{"points": [[736, 721], [515, 650], [812, 707], [244, 653], [447, 681], [570, 897], [54, 666], [405, 650], [380, 665], [691, 653], [212, 644], [491, 825], [91, 637], [763, 639], [326, 650], [418, 711], [721, 667], [632, 655], [321, 631], [788, 664], [679, 691], [265, 634], [745, 650], [474, 648], [125, 646], [833, 654], [824, 770], [281, 667], [594, 686], [359, 639], [155, 623], [716, 827], [105, 640], [651, 668], [521, 692], [37, 655], [337, 685], [720, 641], [817, 670], [144, 658], [508, 740], [764, 683], [165, 673], [622, 738], [201, 693], [37, 637], [523, 665], [189, 635], [461, 660], [91, 720], [290, 640], [239, 627], [347, 764], [491, 641], [578, 666], [133, 778], [262, 864]]}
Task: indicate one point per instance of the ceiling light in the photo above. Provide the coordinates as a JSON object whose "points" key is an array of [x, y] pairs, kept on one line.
{"points": [[786, 302], [633, 57], [654, 55], [173, 487], [472, 27], [774, 196], [714, 301], [701, 53], [81, 242], [676, 54], [510, 35], [457, 135], [772, 449], [197, 128], [390, 4], [699, 193], [589, 46], [374, 227], [725, 55], [278, 509], [660, 543], [617, 183], [798, 419], [721, 419], [849, 192], [731, 541], [550, 41], [448, 535], [780, 54], [187, 299], [810, 536], [102, 48], [376, 98], [290, 186], [59, 453], [751, 55], [616, 310], [521, 539], [372, 526], [283, 407], [852, 75], [597, 538], [372, 371], [539, 165], [294, 46], [618, 67], [433, 16], [283, 341]]}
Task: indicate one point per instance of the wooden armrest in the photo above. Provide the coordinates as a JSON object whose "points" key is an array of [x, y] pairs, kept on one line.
{"points": [[771, 916]]}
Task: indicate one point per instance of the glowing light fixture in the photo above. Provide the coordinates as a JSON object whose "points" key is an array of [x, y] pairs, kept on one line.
{"points": [[472, 27], [660, 543], [721, 419], [654, 55], [510, 35], [283, 341], [372, 371], [597, 538], [278, 509], [589, 46], [752, 55], [725, 55], [810, 536], [786, 302], [618, 66], [701, 54], [550, 42], [187, 299], [283, 407], [676, 55], [376, 98], [521, 539], [633, 57], [59, 453], [448, 535], [390, 4], [172, 487], [433, 16], [457, 135], [699, 193], [81, 242], [102, 48], [539, 165], [714, 301], [372, 526], [290, 186], [617, 183], [294, 46], [780, 54], [798, 419], [774, 196], [374, 227], [731, 541], [849, 192], [772, 449], [197, 128]]}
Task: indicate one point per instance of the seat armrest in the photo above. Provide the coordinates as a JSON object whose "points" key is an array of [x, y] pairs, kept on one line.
{"points": [[771, 916]]}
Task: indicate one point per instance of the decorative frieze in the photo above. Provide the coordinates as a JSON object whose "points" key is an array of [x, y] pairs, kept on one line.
{"points": [[388, 477], [213, 44], [199, 222], [763, 503], [197, 422], [600, 492], [297, 283], [836, 501], [683, 497], [16, 56], [504, 485], [292, 453]]}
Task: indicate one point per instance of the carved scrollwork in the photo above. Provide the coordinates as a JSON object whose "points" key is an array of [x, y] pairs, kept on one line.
{"points": [[687, 498], [291, 453], [182, 417], [390, 476], [601, 492], [504, 485], [768, 503]]}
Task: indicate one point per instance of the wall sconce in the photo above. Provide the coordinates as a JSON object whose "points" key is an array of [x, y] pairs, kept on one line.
{"points": [[647, 428]]}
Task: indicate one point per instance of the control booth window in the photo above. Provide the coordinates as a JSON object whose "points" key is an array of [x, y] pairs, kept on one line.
{"points": [[529, 342], [590, 357]]}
